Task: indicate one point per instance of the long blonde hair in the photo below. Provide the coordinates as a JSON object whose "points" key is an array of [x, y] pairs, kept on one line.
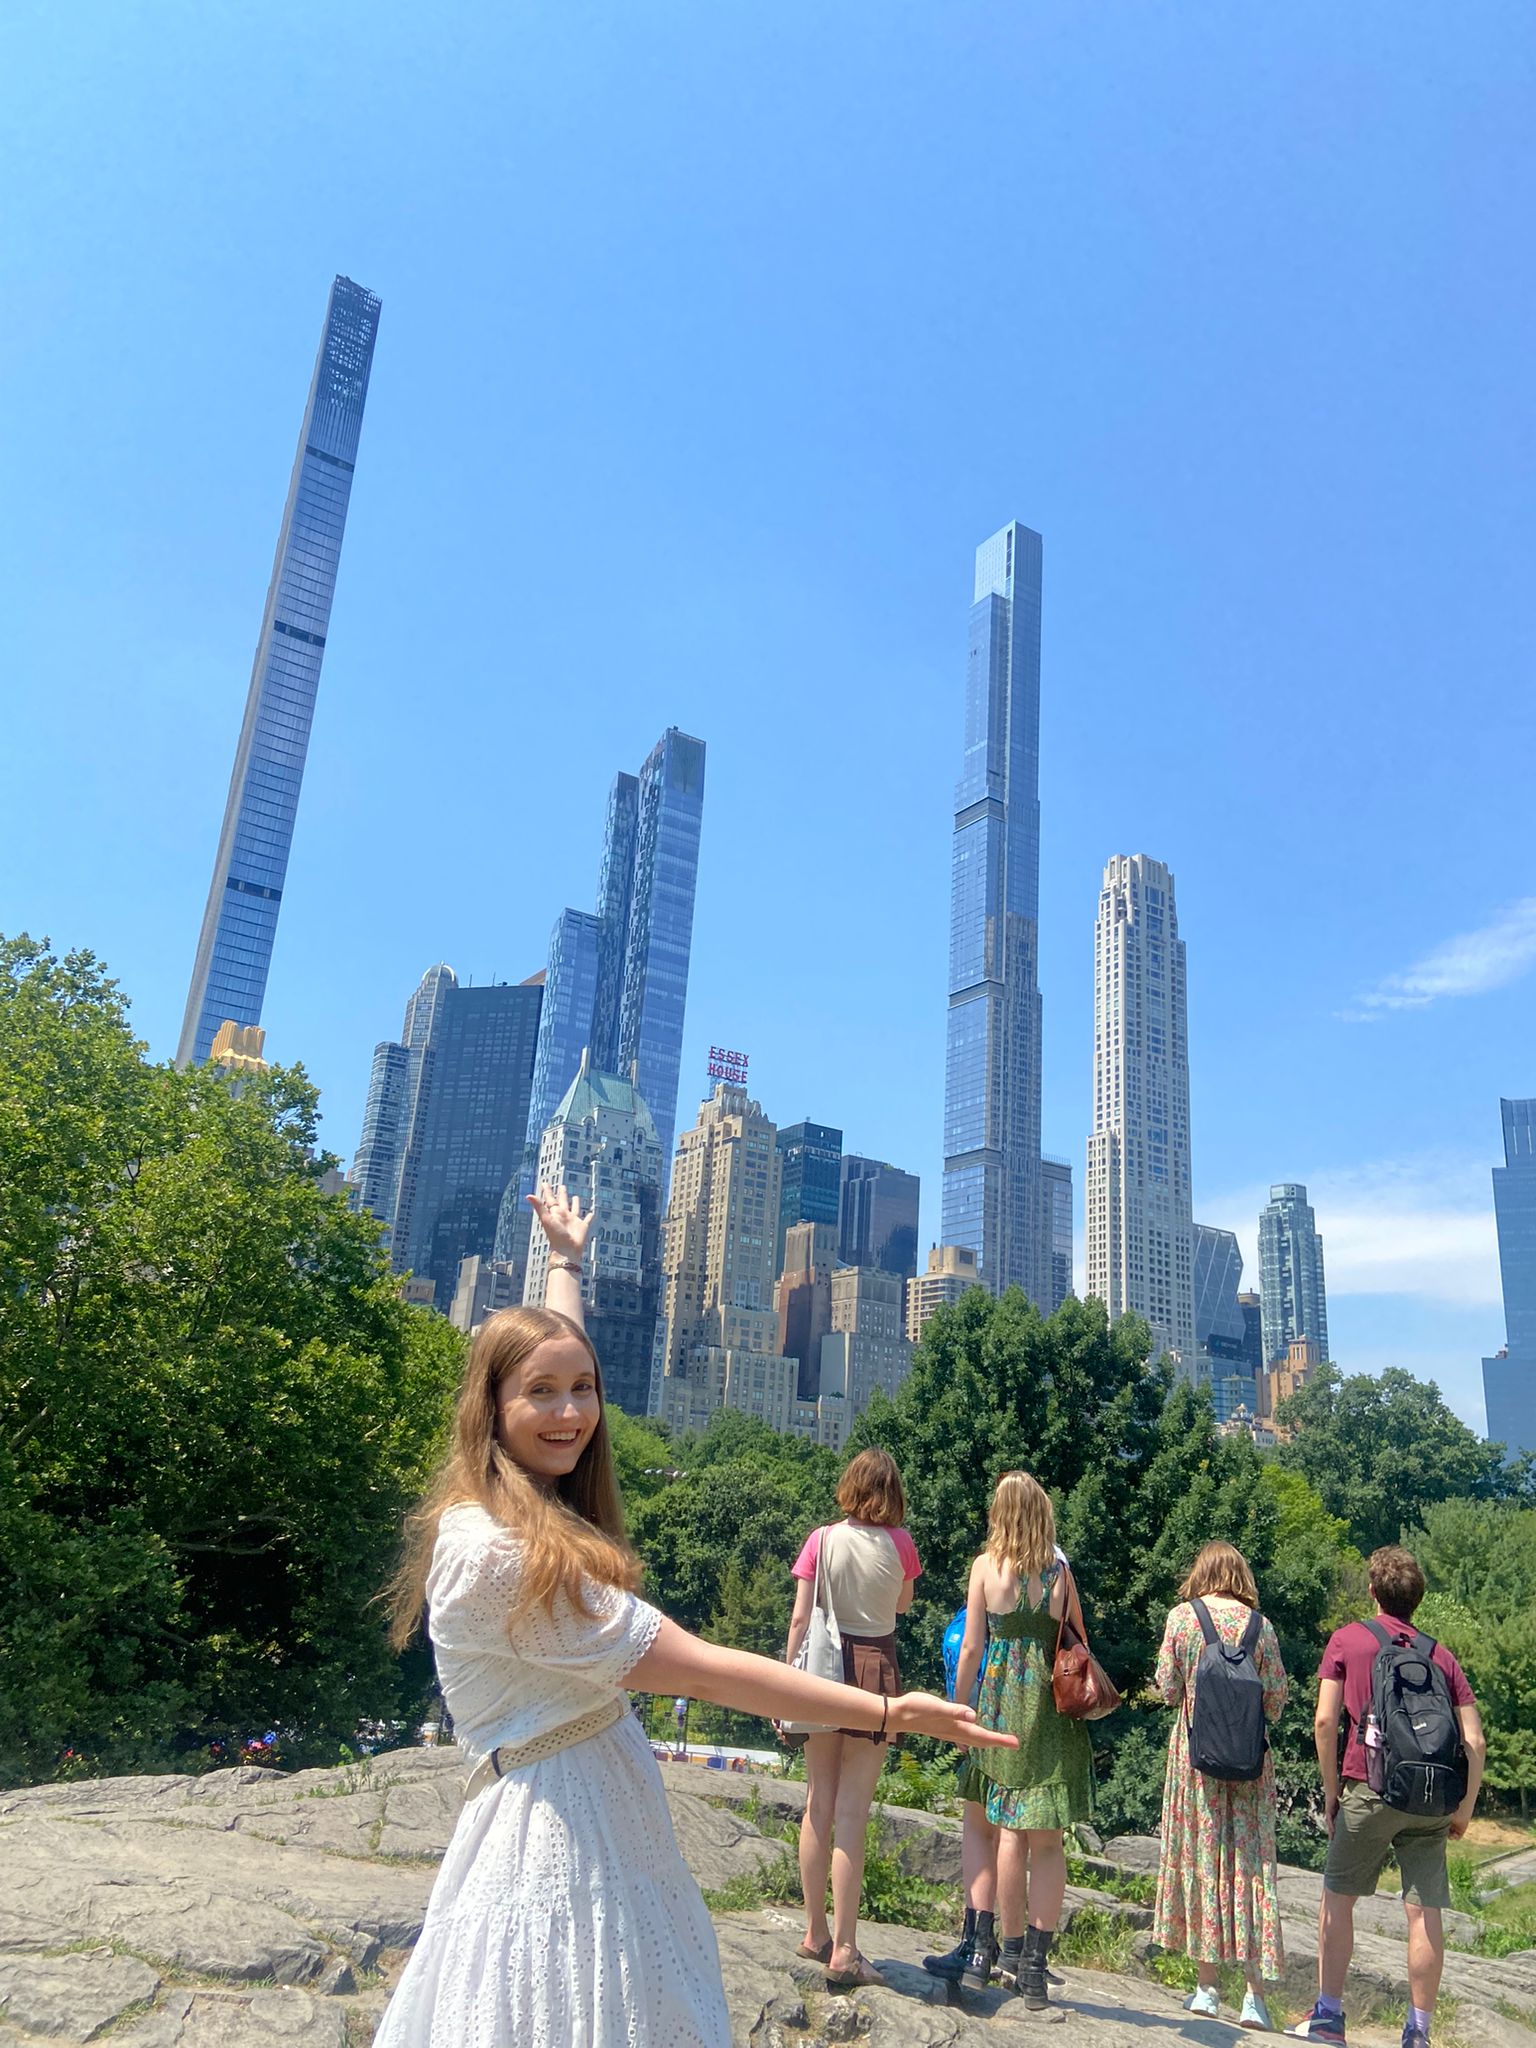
{"points": [[1021, 1528], [570, 1534]]}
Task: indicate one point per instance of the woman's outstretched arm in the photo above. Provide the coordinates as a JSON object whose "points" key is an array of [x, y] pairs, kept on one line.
{"points": [[566, 1228], [677, 1662]]}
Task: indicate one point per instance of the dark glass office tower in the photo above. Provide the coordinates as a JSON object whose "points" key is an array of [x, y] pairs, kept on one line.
{"points": [[618, 977], [467, 1128], [810, 1189], [660, 926], [1509, 1379], [1293, 1292], [392, 1098], [234, 950], [877, 1216], [992, 1183]]}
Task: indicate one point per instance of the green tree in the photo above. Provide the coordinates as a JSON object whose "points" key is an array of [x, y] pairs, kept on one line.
{"points": [[214, 1404], [1380, 1452]]}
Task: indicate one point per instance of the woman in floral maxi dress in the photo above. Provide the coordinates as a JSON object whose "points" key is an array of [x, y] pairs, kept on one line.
{"points": [[1216, 1897]]}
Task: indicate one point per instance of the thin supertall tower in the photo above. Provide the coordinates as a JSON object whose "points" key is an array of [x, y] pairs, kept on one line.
{"points": [[992, 1183], [1140, 1231], [234, 950]]}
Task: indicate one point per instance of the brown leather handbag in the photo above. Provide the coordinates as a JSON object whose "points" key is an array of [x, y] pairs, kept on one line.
{"points": [[1082, 1689]]}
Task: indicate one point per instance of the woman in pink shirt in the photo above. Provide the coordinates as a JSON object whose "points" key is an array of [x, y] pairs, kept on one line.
{"points": [[869, 1565]]}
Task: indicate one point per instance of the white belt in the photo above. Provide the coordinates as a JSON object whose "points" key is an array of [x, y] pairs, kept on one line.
{"points": [[516, 1756]]}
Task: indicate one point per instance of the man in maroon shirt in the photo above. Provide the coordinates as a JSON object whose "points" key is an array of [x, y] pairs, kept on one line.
{"points": [[1363, 1831]]}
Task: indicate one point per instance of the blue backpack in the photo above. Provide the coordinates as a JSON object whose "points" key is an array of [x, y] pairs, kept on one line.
{"points": [[954, 1636]]}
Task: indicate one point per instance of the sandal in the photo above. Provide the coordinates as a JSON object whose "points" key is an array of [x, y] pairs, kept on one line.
{"points": [[821, 1954], [863, 1972]]}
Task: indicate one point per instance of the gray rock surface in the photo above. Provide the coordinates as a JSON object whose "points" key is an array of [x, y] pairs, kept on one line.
{"points": [[252, 1907]]}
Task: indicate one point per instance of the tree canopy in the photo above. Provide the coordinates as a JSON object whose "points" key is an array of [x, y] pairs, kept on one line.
{"points": [[214, 1404]]}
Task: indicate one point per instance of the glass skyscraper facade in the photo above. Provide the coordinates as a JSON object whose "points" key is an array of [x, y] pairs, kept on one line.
{"points": [[468, 1123], [617, 981], [1293, 1298], [234, 949], [878, 1216], [1056, 1186], [1219, 1326], [392, 1085], [992, 1200], [1509, 1380], [810, 1184]]}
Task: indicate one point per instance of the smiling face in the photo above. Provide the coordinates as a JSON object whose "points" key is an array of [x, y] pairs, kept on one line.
{"points": [[548, 1407]]}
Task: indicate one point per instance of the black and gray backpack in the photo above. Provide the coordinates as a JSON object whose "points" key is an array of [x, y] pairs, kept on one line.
{"points": [[1227, 1735], [1418, 1764]]}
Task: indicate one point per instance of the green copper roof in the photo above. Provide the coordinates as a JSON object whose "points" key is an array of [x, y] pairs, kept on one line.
{"points": [[591, 1091]]}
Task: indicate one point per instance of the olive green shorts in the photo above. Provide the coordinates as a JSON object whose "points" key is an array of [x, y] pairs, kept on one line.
{"points": [[1368, 1831]]}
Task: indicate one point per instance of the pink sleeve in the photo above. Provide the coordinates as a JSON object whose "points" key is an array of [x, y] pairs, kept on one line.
{"points": [[804, 1566], [906, 1550]]}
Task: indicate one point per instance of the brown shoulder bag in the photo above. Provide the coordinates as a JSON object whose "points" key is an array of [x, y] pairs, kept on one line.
{"points": [[1080, 1686]]}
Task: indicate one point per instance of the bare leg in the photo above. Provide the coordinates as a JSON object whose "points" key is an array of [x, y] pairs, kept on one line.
{"points": [[1426, 1954], [1012, 1882], [978, 1858], [1336, 1942], [823, 1755], [856, 1776], [1209, 1975], [1047, 1877]]}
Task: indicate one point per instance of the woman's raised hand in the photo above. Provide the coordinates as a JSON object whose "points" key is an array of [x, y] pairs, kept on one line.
{"points": [[924, 1713], [563, 1223]]}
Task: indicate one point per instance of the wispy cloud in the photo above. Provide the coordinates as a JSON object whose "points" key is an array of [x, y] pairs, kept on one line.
{"points": [[1468, 965], [1420, 1228]]}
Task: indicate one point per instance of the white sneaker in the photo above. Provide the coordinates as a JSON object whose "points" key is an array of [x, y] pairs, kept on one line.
{"points": [[1255, 2014], [1206, 2001]]}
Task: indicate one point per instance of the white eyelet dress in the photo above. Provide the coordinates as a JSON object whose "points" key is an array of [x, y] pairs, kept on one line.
{"points": [[563, 1915]]}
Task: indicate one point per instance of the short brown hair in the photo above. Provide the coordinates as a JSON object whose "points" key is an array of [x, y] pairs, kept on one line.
{"points": [[1397, 1581], [1221, 1568], [871, 1490]]}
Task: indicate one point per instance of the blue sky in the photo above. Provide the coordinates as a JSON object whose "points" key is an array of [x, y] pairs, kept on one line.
{"points": [[714, 339]]}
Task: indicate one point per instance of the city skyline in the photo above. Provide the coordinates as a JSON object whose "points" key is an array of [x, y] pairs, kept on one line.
{"points": [[670, 504]]}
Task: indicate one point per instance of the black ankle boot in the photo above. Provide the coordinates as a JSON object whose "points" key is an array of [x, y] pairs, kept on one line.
{"points": [[1037, 1947], [954, 1962], [977, 1973], [1010, 1961]]}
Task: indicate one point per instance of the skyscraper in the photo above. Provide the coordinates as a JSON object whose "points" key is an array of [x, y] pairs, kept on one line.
{"points": [[992, 1196], [617, 978], [1140, 1251], [601, 1144], [802, 1299], [951, 1273], [877, 1215], [811, 1157], [1056, 1188], [1509, 1378], [467, 1124], [1219, 1326], [392, 1097], [866, 1351], [717, 1239], [234, 949], [1292, 1296]]}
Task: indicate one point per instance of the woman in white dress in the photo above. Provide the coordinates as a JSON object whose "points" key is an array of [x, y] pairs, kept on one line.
{"points": [[563, 1915]]}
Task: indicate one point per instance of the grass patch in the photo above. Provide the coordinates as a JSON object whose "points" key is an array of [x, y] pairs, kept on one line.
{"points": [[1097, 1940], [1136, 1887], [890, 1894]]}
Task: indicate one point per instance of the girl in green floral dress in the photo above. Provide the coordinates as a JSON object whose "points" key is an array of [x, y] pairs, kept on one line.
{"points": [[1021, 1800]]}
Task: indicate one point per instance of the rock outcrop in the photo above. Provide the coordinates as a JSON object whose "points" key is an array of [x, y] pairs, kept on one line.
{"points": [[251, 1907]]}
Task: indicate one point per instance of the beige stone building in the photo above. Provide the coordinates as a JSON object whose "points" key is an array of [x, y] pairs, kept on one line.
{"points": [[951, 1270]]}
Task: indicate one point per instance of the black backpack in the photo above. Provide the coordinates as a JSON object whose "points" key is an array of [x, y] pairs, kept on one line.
{"points": [[1418, 1765], [1227, 1735]]}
